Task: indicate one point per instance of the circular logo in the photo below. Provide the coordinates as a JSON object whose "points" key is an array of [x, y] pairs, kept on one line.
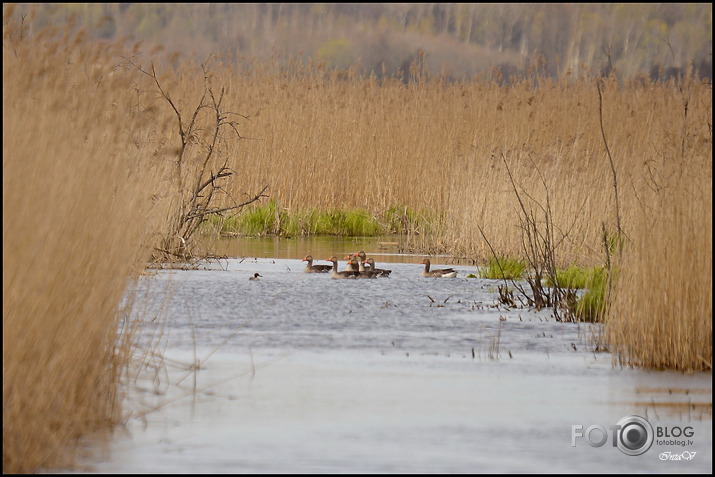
{"points": [[635, 435]]}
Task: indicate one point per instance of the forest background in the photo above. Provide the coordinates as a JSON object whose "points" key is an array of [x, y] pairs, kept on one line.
{"points": [[456, 41]]}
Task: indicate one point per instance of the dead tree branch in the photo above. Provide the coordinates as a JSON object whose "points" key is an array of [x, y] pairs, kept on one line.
{"points": [[539, 245], [209, 172], [613, 167]]}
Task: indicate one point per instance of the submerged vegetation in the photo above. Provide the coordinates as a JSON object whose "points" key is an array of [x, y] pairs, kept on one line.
{"points": [[101, 179]]}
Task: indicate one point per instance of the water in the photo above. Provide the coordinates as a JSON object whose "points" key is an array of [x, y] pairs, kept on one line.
{"points": [[301, 373]]}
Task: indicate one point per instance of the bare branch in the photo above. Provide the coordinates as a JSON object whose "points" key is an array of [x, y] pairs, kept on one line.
{"points": [[203, 212], [610, 161], [194, 204]]}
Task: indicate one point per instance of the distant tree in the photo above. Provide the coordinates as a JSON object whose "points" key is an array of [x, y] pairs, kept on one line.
{"points": [[639, 38]]}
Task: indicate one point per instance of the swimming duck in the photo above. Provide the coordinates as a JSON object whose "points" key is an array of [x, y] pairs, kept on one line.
{"points": [[363, 273], [381, 272], [310, 268], [351, 266], [345, 274], [255, 278], [439, 272]]}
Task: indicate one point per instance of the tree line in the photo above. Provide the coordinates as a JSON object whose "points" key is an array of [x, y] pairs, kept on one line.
{"points": [[456, 41]]}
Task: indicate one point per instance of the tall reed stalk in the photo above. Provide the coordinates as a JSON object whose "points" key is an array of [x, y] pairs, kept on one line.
{"points": [[78, 179], [661, 311], [660, 315]]}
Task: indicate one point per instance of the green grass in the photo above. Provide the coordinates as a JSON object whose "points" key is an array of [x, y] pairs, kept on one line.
{"points": [[504, 268], [270, 219], [348, 223], [260, 220], [575, 277], [590, 306]]}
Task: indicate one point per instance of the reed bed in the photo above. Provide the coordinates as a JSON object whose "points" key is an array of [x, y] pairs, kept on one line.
{"points": [[660, 312], [326, 140], [78, 218], [329, 139], [90, 182]]}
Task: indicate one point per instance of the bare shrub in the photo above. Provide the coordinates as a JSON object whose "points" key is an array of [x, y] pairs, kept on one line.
{"points": [[200, 172]]}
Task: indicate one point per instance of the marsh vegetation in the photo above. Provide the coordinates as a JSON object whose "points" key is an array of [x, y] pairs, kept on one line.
{"points": [[100, 177]]}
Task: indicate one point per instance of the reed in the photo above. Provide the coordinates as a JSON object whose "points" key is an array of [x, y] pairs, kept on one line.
{"points": [[330, 140], [660, 315], [334, 139], [78, 217], [90, 183]]}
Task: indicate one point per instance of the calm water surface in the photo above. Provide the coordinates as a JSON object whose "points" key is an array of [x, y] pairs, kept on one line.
{"points": [[301, 373]]}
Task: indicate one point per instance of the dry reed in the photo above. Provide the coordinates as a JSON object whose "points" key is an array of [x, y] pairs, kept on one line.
{"points": [[326, 139], [78, 177], [661, 310], [85, 156]]}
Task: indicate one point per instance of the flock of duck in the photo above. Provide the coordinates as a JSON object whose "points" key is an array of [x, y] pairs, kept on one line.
{"points": [[359, 266]]}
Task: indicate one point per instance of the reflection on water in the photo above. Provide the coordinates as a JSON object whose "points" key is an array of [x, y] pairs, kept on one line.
{"points": [[302, 373]]}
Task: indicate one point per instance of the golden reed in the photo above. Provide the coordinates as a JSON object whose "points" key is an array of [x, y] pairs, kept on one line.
{"points": [[327, 139], [78, 173], [661, 310], [87, 180]]}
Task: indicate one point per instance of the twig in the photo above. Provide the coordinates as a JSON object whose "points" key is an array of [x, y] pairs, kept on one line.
{"points": [[613, 167]]}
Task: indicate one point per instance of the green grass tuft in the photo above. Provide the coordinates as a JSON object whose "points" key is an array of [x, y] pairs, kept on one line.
{"points": [[504, 268], [270, 219], [575, 277], [590, 306]]}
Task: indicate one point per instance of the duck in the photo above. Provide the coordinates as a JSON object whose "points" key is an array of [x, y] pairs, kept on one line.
{"points": [[359, 257], [381, 272], [439, 272], [255, 278], [356, 261], [351, 266], [345, 274], [362, 259], [310, 268], [362, 271]]}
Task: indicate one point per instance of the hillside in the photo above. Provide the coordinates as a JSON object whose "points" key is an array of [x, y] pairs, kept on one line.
{"points": [[456, 41]]}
